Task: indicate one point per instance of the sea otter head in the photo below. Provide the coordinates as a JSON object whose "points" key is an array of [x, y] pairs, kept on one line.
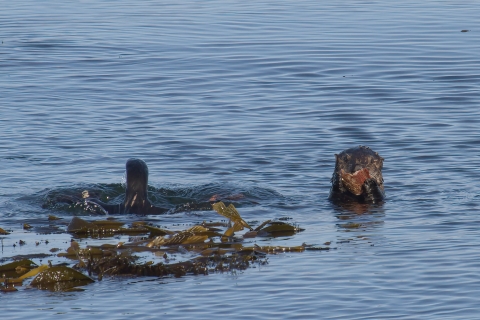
{"points": [[137, 182], [358, 173]]}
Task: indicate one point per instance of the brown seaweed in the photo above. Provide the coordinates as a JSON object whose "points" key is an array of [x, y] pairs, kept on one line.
{"points": [[231, 213], [13, 265], [224, 252], [60, 278]]}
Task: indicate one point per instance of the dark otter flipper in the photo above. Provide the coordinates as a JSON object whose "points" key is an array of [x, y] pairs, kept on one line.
{"points": [[136, 195]]}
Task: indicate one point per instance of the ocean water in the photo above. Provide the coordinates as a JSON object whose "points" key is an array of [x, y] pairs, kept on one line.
{"points": [[228, 97]]}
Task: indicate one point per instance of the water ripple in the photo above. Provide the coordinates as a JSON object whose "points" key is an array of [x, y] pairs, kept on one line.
{"points": [[229, 96]]}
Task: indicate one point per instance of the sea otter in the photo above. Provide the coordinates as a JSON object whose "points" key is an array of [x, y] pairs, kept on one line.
{"points": [[136, 198], [357, 176]]}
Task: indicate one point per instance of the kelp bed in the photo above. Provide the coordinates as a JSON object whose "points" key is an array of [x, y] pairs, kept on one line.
{"points": [[211, 248]]}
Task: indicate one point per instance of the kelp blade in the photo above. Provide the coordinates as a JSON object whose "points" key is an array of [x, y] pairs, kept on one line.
{"points": [[278, 226], [34, 272], [12, 265], [154, 231], [81, 227], [157, 242], [185, 237], [230, 212], [60, 278], [200, 230], [232, 208], [108, 225], [78, 225], [230, 231]]}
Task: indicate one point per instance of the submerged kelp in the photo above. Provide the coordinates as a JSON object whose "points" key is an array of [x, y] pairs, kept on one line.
{"points": [[202, 249]]}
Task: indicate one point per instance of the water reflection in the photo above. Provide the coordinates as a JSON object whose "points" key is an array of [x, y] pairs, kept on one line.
{"points": [[359, 217], [356, 208]]}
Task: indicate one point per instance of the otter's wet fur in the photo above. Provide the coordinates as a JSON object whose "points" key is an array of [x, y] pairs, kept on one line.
{"points": [[351, 162], [136, 197]]}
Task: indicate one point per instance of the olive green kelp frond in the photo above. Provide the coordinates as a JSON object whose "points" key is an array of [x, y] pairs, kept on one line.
{"points": [[231, 213]]}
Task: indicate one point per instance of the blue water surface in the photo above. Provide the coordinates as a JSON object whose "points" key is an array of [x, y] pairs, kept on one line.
{"points": [[255, 98]]}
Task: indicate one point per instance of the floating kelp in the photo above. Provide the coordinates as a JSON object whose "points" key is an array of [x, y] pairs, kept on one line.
{"points": [[126, 265], [202, 230], [21, 269], [231, 213], [224, 251], [78, 225], [60, 278], [28, 264], [74, 252], [9, 274], [185, 237], [212, 225], [278, 226], [236, 227], [8, 288], [154, 231], [108, 224], [34, 272], [213, 257], [82, 227], [276, 249], [277, 229], [195, 234]]}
